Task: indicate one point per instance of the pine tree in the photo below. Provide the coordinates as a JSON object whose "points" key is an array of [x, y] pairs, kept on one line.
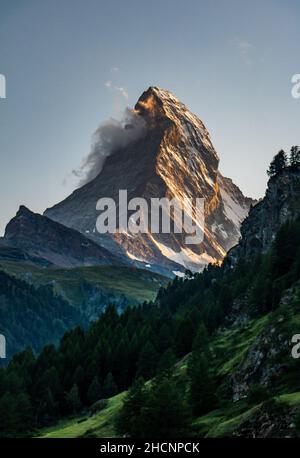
{"points": [[164, 338], [201, 341], [295, 156], [202, 387], [128, 420], [24, 410], [94, 392], [166, 413], [73, 399], [147, 362], [184, 336], [47, 408], [79, 376], [278, 163], [8, 415], [109, 386], [167, 361]]}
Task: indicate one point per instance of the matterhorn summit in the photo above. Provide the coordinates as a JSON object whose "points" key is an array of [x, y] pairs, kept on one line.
{"points": [[170, 156]]}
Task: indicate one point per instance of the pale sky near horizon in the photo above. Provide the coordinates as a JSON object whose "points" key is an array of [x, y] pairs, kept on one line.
{"points": [[72, 64]]}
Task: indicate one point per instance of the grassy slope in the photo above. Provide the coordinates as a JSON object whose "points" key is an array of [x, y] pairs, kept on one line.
{"points": [[218, 423], [229, 351], [229, 348], [99, 425], [223, 422], [137, 285]]}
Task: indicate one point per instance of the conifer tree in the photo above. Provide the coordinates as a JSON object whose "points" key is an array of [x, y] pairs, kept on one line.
{"points": [[128, 420], [295, 156], [202, 389], [109, 386], [94, 391], [73, 399], [278, 163], [147, 362]]}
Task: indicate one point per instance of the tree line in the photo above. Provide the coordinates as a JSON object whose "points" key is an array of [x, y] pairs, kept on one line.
{"points": [[282, 161], [123, 350]]}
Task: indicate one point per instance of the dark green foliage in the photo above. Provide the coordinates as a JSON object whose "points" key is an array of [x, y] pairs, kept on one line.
{"points": [[94, 392], [98, 406], [297, 422], [278, 163], [148, 361], [281, 161], [15, 413], [257, 394], [30, 314], [201, 341], [109, 386], [202, 385], [144, 341], [165, 413], [73, 399], [128, 421], [159, 410], [295, 157], [167, 360]]}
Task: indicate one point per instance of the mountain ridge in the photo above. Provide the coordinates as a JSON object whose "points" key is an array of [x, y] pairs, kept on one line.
{"points": [[43, 239]]}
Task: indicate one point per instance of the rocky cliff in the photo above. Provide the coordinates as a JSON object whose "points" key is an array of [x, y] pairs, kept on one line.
{"points": [[281, 203]]}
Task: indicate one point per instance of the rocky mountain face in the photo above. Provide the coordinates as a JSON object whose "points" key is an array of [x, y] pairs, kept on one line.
{"points": [[173, 157], [281, 203], [36, 238], [268, 357]]}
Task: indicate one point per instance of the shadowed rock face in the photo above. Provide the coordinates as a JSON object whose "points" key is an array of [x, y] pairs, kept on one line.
{"points": [[173, 158], [33, 237], [280, 204]]}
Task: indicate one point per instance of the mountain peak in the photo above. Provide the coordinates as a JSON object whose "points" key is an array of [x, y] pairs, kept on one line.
{"points": [[177, 159], [162, 94], [159, 102], [23, 210], [160, 107]]}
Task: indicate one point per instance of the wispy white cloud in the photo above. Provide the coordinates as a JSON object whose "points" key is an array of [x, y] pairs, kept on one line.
{"points": [[123, 91], [245, 49], [109, 85], [114, 70]]}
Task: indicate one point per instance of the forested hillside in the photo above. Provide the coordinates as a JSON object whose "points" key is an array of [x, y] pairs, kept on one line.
{"points": [[214, 349], [33, 314]]}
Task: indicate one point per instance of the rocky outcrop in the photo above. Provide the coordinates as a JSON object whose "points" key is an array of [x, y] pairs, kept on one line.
{"points": [[281, 203], [268, 356], [272, 419]]}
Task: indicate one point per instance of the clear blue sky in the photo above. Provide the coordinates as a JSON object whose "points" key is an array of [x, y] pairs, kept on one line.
{"points": [[230, 62]]}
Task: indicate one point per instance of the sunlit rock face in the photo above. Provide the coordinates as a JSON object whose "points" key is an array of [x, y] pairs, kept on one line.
{"points": [[173, 157]]}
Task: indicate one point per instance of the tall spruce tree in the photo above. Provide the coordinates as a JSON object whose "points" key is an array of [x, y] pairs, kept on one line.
{"points": [[94, 391], [109, 386], [278, 163], [73, 399], [295, 157], [128, 421]]}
